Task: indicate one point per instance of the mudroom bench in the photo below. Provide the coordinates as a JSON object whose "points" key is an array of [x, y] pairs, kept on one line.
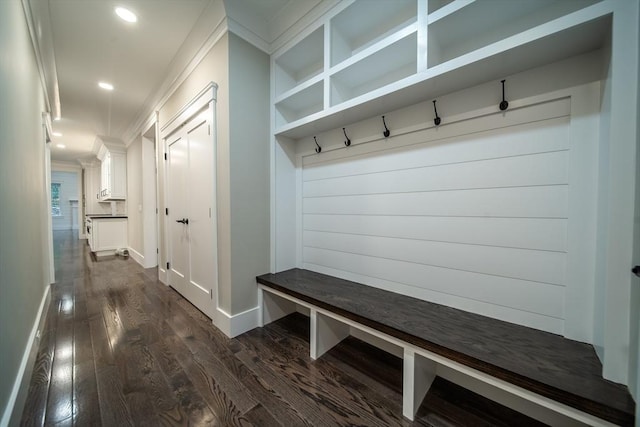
{"points": [[526, 365]]}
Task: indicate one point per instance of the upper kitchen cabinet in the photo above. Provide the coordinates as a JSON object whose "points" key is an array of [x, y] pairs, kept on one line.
{"points": [[113, 177], [364, 57]]}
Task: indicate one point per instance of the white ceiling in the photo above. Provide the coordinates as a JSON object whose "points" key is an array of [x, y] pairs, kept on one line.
{"points": [[91, 44]]}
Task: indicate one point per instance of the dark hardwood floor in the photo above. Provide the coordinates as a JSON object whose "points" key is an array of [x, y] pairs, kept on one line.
{"points": [[120, 348]]}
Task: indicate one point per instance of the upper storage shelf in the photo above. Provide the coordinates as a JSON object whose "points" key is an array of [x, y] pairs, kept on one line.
{"points": [[364, 23], [300, 63], [385, 66], [478, 24], [372, 55]]}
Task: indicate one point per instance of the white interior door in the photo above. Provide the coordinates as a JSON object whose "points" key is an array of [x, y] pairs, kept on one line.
{"points": [[191, 219], [177, 164]]}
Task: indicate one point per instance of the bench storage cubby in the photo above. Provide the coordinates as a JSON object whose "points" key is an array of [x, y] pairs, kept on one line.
{"points": [[560, 375]]}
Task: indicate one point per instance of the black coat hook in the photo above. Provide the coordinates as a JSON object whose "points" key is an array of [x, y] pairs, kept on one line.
{"points": [[437, 120], [348, 141], [504, 104], [386, 132], [319, 149]]}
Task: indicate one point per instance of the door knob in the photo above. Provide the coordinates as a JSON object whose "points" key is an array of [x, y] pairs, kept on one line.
{"points": [[183, 221], [636, 270]]}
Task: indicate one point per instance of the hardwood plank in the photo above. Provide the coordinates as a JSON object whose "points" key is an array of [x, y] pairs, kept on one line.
{"points": [[259, 416], [254, 385], [34, 412], [346, 399], [293, 332], [309, 412], [181, 385], [86, 407], [102, 354], [205, 382], [204, 357], [60, 401], [114, 410]]}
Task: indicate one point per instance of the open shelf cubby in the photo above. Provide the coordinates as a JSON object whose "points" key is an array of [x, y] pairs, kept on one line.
{"points": [[479, 24], [365, 23], [386, 66], [434, 5], [302, 62], [301, 104]]}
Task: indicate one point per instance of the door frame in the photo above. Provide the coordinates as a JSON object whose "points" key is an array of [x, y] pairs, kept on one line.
{"points": [[47, 132], [151, 134], [206, 97]]}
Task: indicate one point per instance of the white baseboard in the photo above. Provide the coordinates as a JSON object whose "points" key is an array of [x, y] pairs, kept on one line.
{"points": [[145, 262], [234, 325], [162, 276], [137, 256], [21, 382]]}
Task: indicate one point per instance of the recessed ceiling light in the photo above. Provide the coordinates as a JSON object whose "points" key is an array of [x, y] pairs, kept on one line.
{"points": [[56, 134], [105, 85], [126, 14], [61, 146]]}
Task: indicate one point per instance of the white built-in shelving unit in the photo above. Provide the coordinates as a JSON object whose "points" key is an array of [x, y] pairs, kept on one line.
{"points": [[365, 56]]}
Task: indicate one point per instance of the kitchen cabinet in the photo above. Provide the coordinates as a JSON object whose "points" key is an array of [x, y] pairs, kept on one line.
{"points": [[91, 187], [106, 234], [113, 170]]}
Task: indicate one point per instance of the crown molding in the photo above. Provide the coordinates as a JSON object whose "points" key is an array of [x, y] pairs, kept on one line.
{"points": [[46, 66], [180, 73]]}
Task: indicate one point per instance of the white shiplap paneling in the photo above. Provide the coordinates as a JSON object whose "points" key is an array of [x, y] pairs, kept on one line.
{"points": [[473, 215], [534, 265], [520, 202], [532, 233]]}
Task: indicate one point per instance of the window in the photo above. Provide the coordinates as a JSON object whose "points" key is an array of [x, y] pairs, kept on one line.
{"points": [[55, 199]]}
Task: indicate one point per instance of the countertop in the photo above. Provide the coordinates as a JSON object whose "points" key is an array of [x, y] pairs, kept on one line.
{"points": [[103, 216]]}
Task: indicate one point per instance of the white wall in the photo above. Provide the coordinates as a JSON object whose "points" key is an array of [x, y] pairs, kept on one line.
{"points": [[134, 197], [620, 302], [23, 267], [141, 201], [69, 200], [149, 196], [249, 162]]}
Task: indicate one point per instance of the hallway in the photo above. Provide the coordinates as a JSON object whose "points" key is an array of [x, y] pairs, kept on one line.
{"points": [[120, 348]]}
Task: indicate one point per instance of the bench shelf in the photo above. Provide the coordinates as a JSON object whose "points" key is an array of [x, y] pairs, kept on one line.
{"points": [[543, 367]]}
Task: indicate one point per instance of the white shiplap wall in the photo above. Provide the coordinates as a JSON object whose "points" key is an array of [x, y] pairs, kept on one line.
{"points": [[473, 214]]}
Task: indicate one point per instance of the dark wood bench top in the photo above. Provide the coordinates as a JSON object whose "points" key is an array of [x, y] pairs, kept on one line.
{"points": [[561, 369]]}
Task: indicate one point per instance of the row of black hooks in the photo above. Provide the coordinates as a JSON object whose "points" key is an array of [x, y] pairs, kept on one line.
{"points": [[504, 104]]}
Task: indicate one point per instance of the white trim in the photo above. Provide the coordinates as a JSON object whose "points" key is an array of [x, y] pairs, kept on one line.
{"points": [[20, 378], [137, 256], [59, 166], [55, 97], [323, 11], [234, 325], [162, 276], [200, 101], [247, 35]]}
